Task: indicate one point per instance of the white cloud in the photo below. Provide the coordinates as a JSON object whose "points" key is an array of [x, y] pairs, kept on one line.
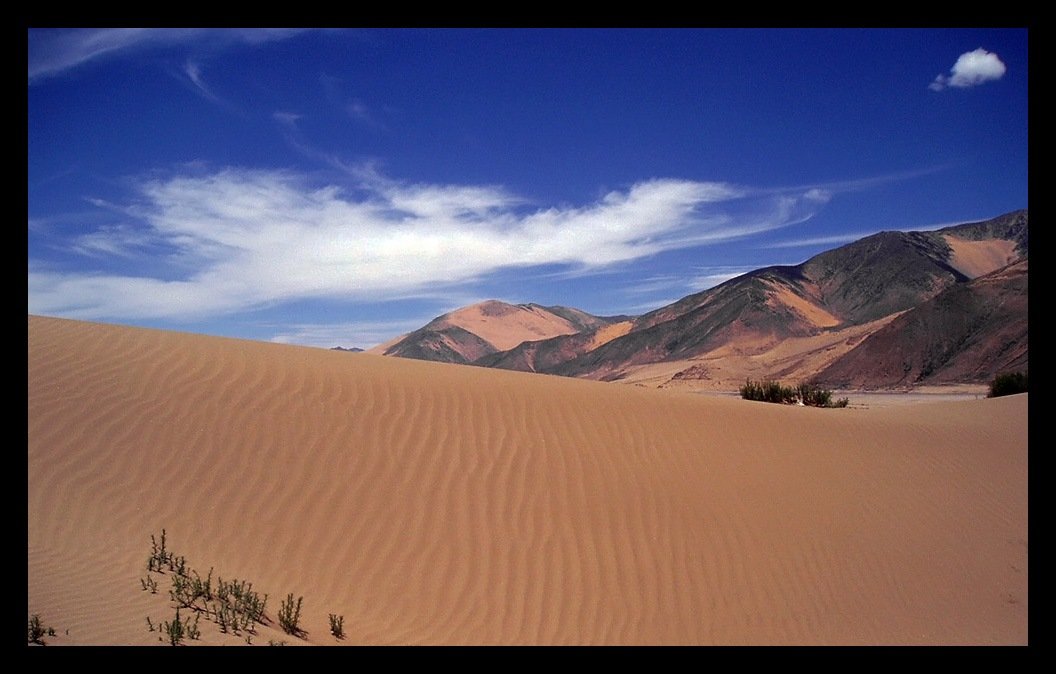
{"points": [[117, 240], [719, 275], [854, 236], [240, 239], [971, 69], [193, 70], [360, 113], [820, 240], [55, 51], [362, 334], [288, 119]]}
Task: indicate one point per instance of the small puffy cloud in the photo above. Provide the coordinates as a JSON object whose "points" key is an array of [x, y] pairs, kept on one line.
{"points": [[971, 69], [238, 240]]}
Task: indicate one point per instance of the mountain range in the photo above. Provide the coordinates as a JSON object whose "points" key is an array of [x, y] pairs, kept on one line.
{"points": [[892, 310]]}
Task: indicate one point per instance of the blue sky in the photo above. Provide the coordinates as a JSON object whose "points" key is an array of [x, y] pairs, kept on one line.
{"points": [[341, 187]]}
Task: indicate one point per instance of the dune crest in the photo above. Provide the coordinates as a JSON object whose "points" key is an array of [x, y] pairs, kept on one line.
{"points": [[440, 504]]}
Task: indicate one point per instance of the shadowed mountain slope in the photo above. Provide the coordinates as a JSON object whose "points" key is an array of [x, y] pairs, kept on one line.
{"points": [[844, 289], [968, 333]]}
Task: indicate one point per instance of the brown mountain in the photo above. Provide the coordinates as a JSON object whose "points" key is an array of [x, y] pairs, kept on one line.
{"points": [[794, 321], [467, 334], [967, 333], [837, 296]]}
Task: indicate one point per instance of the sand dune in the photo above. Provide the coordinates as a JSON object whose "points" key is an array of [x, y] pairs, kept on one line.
{"points": [[440, 504]]}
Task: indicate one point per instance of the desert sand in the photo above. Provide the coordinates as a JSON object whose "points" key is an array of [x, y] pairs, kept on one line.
{"points": [[978, 258], [443, 504]]}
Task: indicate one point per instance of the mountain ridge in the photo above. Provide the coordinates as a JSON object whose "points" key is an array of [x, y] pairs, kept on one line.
{"points": [[844, 290]]}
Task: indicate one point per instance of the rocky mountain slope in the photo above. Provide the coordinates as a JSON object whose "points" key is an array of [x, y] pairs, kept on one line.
{"points": [[936, 299]]}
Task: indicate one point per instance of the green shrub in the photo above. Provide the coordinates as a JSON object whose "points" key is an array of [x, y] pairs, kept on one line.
{"points": [[233, 604], [200, 588], [182, 591], [809, 394], [1008, 383], [337, 625], [175, 629], [158, 555], [290, 615]]}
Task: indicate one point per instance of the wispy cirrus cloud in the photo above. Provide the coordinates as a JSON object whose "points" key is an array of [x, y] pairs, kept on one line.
{"points": [[363, 115], [362, 334], [819, 240], [193, 71], [247, 239], [848, 237], [53, 52], [971, 69]]}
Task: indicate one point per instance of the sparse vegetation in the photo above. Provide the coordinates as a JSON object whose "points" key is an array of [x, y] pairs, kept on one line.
{"points": [[808, 394], [233, 605], [37, 630], [159, 554], [175, 629], [203, 589], [290, 615], [1008, 383], [182, 592], [337, 625]]}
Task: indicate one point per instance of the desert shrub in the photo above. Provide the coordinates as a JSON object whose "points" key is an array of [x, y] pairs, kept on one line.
{"points": [[149, 584], [159, 554], [227, 618], [808, 394], [254, 605], [200, 588], [1008, 383], [178, 565], [290, 615], [233, 604], [175, 629], [36, 630], [813, 395], [767, 391], [240, 605], [182, 591], [337, 625]]}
